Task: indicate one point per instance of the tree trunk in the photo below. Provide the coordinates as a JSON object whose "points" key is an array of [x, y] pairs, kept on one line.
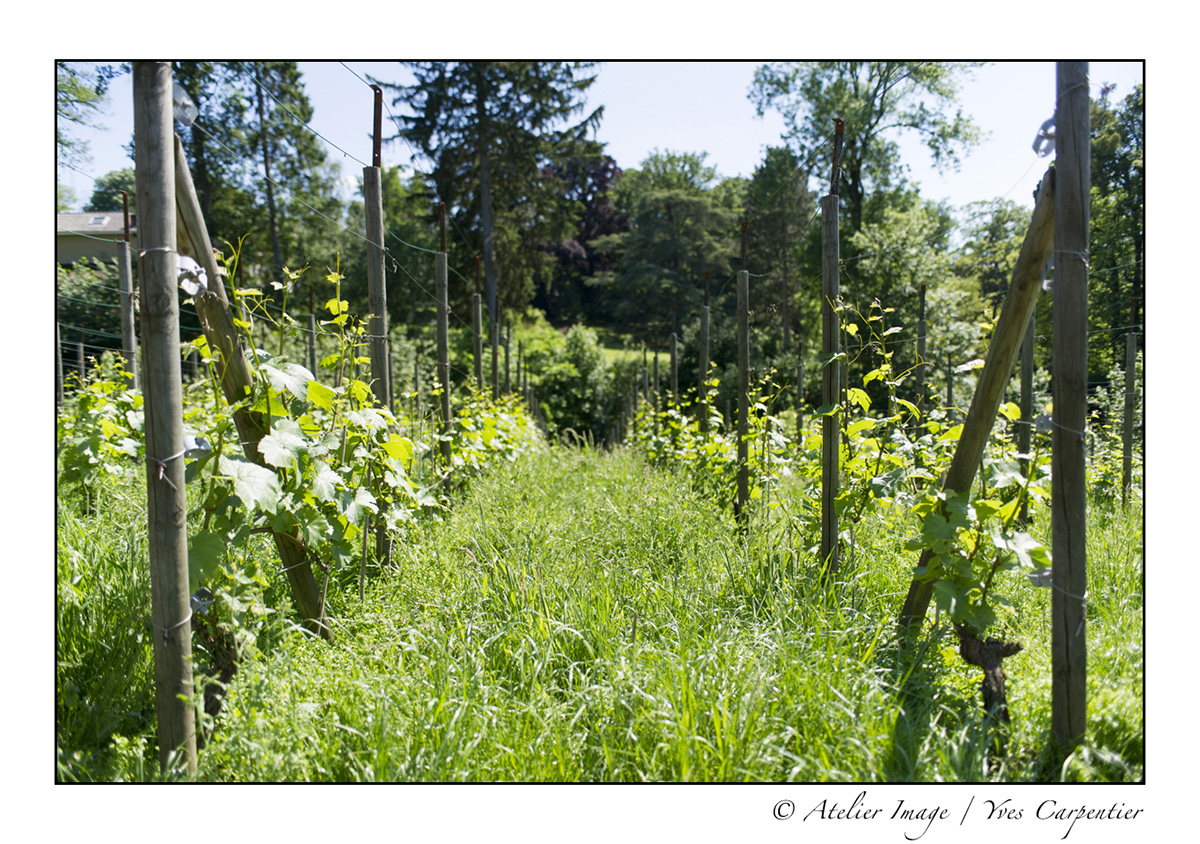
{"points": [[485, 199], [266, 151]]}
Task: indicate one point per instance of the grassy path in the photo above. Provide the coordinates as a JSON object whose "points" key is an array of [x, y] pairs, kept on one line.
{"points": [[582, 617]]}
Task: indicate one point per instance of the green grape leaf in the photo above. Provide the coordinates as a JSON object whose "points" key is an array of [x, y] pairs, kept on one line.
{"points": [[325, 482], [283, 445], [206, 550], [291, 377], [256, 486], [320, 395], [353, 504]]}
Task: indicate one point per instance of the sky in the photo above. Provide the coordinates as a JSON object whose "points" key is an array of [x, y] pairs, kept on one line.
{"points": [[685, 107]]}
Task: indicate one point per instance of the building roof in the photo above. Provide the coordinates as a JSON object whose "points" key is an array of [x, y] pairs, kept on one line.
{"points": [[96, 223]]}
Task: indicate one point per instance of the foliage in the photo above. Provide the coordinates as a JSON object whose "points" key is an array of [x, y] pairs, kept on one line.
{"points": [[876, 100], [409, 271], [88, 296], [680, 227], [637, 637], [994, 232], [106, 195], [566, 294], [491, 129], [1117, 236], [99, 431], [572, 378], [251, 111]]}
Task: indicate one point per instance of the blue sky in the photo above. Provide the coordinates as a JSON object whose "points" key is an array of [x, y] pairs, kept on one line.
{"points": [[688, 107]]}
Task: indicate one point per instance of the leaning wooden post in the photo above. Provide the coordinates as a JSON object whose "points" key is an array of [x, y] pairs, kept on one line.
{"points": [[376, 268], [831, 380], [443, 341], [1131, 345], [237, 379], [170, 603], [1001, 357], [702, 363], [80, 360], [743, 420], [1068, 491], [125, 272]]}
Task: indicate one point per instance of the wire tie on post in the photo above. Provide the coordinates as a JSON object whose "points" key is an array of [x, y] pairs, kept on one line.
{"points": [[162, 467], [166, 631], [1083, 256], [143, 252]]}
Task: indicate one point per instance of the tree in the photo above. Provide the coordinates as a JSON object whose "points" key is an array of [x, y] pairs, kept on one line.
{"points": [[890, 260], [682, 223], [779, 207], [106, 195], [876, 100], [490, 128], [246, 159], [1117, 229], [406, 224], [587, 181], [993, 241]]}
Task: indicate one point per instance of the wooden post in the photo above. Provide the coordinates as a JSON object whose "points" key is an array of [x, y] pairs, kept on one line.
{"points": [[702, 363], [477, 335], [125, 272], [1068, 492], [418, 410], [443, 341], [80, 361], [743, 420], [165, 494], [675, 369], [376, 269], [1001, 357], [507, 351], [950, 414], [830, 383], [657, 392], [831, 375], [656, 403], [312, 328], [921, 333], [1131, 345], [58, 372], [495, 360], [216, 320], [1025, 428]]}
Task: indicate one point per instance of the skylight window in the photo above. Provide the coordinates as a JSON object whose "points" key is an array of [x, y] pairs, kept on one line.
{"points": [[97, 221]]}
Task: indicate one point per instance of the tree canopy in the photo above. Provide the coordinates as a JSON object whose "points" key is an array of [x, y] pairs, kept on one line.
{"points": [[877, 100], [490, 129]]}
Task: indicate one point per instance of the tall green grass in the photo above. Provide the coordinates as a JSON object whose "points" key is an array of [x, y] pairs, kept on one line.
{"points": [[582, 617]]}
